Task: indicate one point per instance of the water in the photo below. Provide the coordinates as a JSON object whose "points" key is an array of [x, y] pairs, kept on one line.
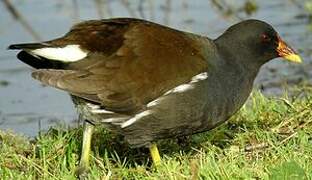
{"points": [[26, 106]]}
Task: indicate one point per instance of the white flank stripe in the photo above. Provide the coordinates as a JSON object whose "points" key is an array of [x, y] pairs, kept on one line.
{"points": [[101, 111], [69, 53], [112, 120], [93, 106], [182, 88], [179, 89], [98, 110], [108, 120], [135, 118], [199, 77], [187, 86], [153, 103]]}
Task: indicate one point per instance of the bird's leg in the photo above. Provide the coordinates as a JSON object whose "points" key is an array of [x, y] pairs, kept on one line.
{"points": [[155, 154], [86, 147]]}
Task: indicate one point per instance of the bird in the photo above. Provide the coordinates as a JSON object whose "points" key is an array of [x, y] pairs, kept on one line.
{"points": [[147, 81]]}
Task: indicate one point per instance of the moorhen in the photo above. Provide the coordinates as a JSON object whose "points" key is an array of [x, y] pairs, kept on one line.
{"points": [[147, 81]]}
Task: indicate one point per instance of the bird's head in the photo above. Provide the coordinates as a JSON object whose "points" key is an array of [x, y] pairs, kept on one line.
{"points": [[256, 42]]}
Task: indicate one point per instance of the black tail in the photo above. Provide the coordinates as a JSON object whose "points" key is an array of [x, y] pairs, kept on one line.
{"points": [[40, 62], [33, 60], [29, 46]]}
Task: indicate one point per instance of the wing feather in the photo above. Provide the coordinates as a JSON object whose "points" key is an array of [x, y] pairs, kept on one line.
{"points": [[148, 60]]}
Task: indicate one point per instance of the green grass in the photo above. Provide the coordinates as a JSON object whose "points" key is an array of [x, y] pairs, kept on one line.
{"points": [[270, 138]]}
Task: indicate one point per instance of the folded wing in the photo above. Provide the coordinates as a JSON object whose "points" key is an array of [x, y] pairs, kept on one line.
{"points": [[128, 63]]}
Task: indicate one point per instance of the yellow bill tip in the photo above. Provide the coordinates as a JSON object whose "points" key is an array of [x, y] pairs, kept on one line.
{"points": [[293, 58], [287, 52]]}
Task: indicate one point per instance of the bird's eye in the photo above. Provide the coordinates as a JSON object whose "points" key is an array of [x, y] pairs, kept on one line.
{"points": [[265, 38]]}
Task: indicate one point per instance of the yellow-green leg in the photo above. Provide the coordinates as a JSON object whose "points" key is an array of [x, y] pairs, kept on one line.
{"points": [[155, 154], [86, 148]]}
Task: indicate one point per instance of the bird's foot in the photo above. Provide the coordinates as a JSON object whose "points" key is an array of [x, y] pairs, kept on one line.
{"points": [[82, 171]]}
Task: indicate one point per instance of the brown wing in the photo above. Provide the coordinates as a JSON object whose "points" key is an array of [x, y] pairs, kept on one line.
{"points": [[130, 62]]}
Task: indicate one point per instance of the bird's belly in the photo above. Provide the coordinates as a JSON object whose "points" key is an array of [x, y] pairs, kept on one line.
{"points": [[184, 111], [202, 107]]}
